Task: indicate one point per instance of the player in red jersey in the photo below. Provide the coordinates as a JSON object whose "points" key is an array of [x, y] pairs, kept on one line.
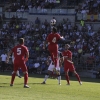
{"points": [[68, 64], [21, 55], [52, 40]]}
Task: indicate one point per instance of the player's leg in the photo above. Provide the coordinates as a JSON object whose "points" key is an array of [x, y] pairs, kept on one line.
{"points": [[12, 78], [58, 67], [58, 72], [49, 73], [77, 76], [14, 74], [59, 78], [67, 76], [72, 69], [47, 76], [51, 53], [25, 72], [25, 79], [52, 57], [55, 53], [53, 70], [18, 74], [55, 61]]}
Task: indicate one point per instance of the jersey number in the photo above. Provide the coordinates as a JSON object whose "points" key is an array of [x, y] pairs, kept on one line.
{"points": [[18, 51], [54, 40]]}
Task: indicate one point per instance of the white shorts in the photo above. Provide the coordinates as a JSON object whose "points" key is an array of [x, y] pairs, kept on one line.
{"points": [[52, 67], [12, 60]]}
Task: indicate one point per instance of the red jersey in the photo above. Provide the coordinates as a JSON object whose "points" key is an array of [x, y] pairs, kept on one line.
{"points": [[53, 38], [68, 54], [68, 66], [19, 52]]}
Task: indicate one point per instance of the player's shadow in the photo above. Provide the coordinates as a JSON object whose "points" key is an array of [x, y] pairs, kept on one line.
{"points": [[4, 85], [32, 84], [40, 84], [73, 78], [35, 83]]}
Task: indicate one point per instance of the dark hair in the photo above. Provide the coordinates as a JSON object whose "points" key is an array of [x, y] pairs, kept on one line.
{"points": [[21, 40], [54, 29]]}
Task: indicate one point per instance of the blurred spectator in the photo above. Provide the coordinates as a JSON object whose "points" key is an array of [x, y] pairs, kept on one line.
{"points": [[84, 40], [3, 61], [1, 19], [37, 22]]}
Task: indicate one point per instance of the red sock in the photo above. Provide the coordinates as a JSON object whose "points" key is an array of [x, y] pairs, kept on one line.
{"points": [[25, 78], [13, 78], [67, 78], [78, 77]]}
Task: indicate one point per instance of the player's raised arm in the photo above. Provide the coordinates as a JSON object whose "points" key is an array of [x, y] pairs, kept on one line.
{"points": [[62, 40]]}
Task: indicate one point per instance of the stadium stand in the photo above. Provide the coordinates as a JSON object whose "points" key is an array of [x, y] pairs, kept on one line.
{"points": [[85, 42]]}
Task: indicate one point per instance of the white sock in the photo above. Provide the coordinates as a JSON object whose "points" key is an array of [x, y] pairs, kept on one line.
{"points": [[18, 73], [59, 79], [46, 77]]}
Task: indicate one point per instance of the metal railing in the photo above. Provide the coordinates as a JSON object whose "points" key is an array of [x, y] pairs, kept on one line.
{"points": [[51, 11]]}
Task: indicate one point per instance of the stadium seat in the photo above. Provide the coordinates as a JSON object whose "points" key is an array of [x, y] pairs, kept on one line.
{"points": [[71, 11]]}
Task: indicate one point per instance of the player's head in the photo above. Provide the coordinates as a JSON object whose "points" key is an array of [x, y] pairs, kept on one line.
{"points": [[67, 46], [21, 41], [54, 30]]}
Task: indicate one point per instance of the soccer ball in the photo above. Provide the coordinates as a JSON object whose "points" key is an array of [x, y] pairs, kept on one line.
{"points": [[53, 22]]}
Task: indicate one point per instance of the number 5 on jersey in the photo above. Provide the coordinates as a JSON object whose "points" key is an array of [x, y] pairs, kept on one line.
{"points": [[18, 51]]}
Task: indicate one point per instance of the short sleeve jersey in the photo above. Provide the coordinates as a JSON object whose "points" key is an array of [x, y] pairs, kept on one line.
{"points": [[68, 54], [53, 38], [19, 52]]}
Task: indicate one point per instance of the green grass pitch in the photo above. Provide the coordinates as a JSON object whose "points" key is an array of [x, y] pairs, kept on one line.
{"points": [[89, 90]]}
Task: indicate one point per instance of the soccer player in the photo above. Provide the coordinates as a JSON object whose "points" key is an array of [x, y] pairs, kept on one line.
{"points": [[52, 40], [21, 55], [51, 70], [68, 64]]}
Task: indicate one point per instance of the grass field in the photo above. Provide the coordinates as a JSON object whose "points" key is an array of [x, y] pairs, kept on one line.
{"points": [[90, 90]]}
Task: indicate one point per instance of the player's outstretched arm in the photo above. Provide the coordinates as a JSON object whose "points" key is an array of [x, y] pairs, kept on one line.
{"points": [[68, 59], [62, 40], [61, 61]]}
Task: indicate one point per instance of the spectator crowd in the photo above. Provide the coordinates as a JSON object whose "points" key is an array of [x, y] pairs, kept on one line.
{"points": [[25, 5], [89, 6], [85, 42]]}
